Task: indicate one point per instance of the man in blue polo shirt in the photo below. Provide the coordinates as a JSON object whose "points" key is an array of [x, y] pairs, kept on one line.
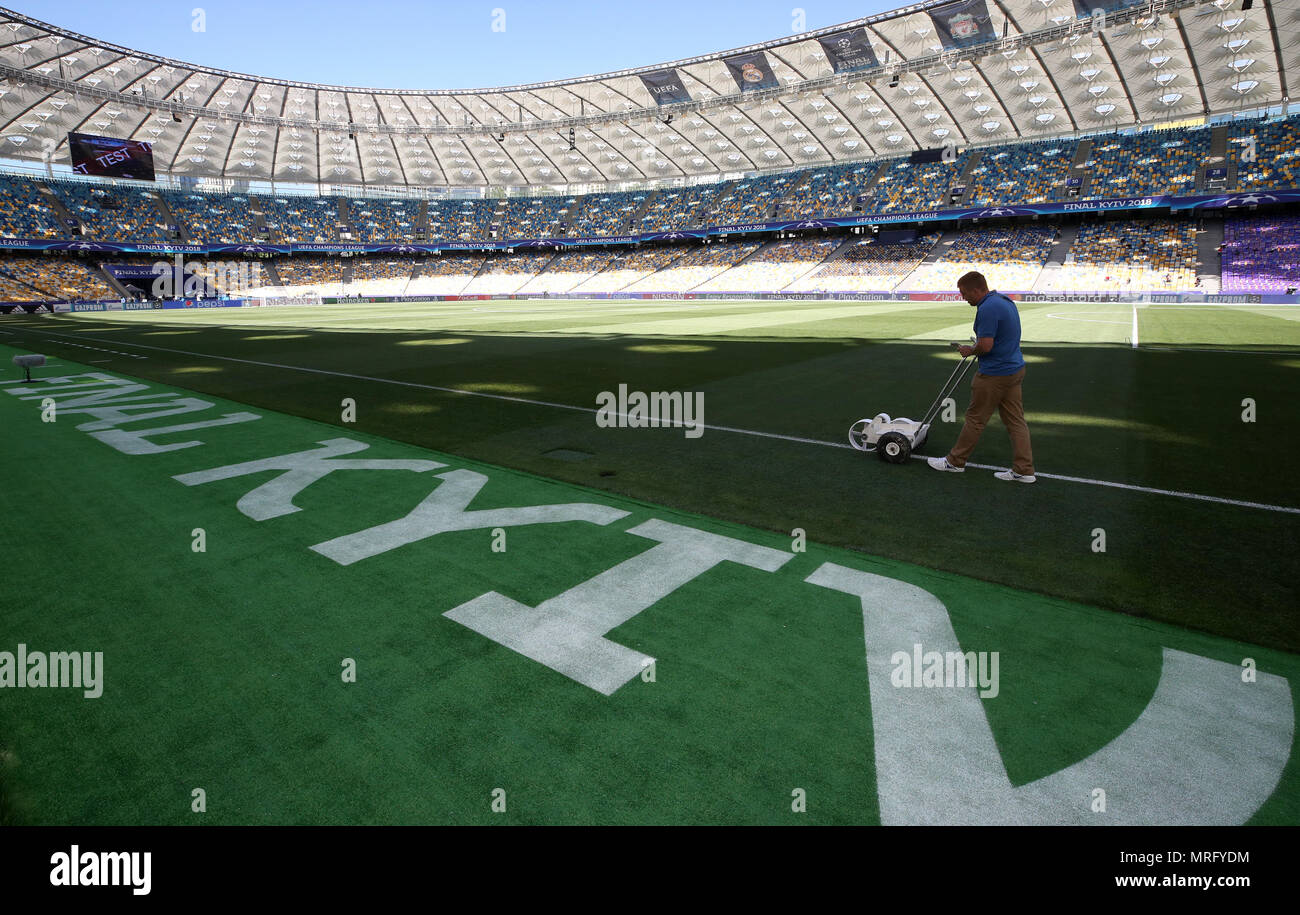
{"points": [[996, 385]]}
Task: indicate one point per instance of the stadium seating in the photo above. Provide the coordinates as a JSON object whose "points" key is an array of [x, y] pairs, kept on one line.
{"points": [[627, 267], [832, 191], [1157, 162], [44, 277], [445, 274], [212, 219], [567, 271], [698, 264], [505, 273], [26, 213], [773, 268], [300, 220], [1277, 153], [866, 266], [1261, 255], [317, 274], [379, 221], [1010, 258], [752, 200], [906, 185], [1129, 256], [674, 210], [1028, 173], [113, 213], [379, 274]]}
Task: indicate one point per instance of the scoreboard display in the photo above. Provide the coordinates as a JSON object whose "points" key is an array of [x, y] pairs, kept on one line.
{"points": [[111, 157]]}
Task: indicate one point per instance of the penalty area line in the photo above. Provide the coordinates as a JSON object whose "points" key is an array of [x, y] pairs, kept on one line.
{"points": [[1087, 481]]}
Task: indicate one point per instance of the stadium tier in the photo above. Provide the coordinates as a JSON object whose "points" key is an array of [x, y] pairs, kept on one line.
{"points": [[867, 265], [1261, 255], [1256, 155], [774, 267], [40, 278], [1015, 256], [1158, 255]]}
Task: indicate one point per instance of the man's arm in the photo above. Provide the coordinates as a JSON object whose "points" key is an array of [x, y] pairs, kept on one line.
{"points": [[982, 346]]}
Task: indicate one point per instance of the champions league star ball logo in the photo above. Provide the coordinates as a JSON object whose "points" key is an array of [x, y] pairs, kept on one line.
{"points": [[1001, 211], [88, 246], [1239, 200], [750, 73]]}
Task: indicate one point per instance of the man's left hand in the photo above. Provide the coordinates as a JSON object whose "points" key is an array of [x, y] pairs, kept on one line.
{"points": [[965, 350]]}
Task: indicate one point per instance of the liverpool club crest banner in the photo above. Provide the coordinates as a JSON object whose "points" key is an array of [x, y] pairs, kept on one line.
{"points": [[848, 51], [962, 24], [751, 71]]}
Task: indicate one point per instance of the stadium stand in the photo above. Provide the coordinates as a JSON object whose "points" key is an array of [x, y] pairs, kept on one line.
{"points": [[867, 266], [506, 273], [44, 277], [212, 219], [1261, 255], [378, 221], [567, 271], [1027, 173], [628, 267], [25, 212], [696, 266], [827, 191], [774, 267], [113, 213], [1011, 258], [380, 274], [444, 274], [905, 185], [1129, 256], [300, 220], [753, 200], [310, 273], [1157, 162], [1277, 153], [674, 210]]}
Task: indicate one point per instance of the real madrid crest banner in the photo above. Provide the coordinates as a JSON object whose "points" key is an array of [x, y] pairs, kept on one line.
{"points": [[751, 71], [665, 86], [849, 50], [962, 24]]}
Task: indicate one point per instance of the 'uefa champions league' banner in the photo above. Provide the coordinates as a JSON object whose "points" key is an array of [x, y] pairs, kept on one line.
{"points": [[962, 24], [751, 71], [665, 87], [850, 50]]}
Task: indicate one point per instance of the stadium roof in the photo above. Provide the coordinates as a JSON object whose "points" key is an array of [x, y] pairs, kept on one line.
{"points": [[964, 72]]}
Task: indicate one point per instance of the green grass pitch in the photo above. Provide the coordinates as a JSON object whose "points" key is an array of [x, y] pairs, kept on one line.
{"points": [[227, 661]]}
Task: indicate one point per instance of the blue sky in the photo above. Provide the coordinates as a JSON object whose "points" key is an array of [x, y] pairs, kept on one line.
{"points": [[404, 44]]}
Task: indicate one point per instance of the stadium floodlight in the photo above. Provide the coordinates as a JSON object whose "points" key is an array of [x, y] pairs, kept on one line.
{"points": [[29, 361]]}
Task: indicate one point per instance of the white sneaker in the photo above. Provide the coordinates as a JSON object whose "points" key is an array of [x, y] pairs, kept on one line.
{"points": [[941, 463], [1012, 476]]}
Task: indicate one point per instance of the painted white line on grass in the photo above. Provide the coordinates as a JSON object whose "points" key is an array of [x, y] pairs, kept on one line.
{"points": [[1135, 326], [754, 432]]}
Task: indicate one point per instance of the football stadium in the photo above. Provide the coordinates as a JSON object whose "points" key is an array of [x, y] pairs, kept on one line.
{"points": [[559, 453]]}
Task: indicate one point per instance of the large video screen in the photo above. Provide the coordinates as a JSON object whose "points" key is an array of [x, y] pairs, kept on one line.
{"points": [[111, 157]]}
